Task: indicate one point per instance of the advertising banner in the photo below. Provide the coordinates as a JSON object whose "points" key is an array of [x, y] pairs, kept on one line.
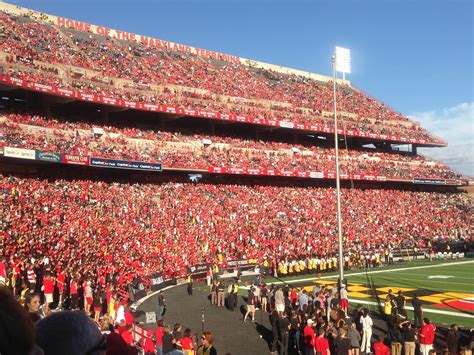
{"points": [[156, 281], [199, 268], [124, 164], [136, 289], [75, 159], [48, 156], [20, 153], [429, 181]]}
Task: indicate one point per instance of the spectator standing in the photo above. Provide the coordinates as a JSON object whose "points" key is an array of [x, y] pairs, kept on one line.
{"points": [[214, 292], [427, 336], [303, 299], [74, 292], [264, 297], [274, 323], [309, 338], [321, 343], [367, 324], [167, 340], [161, 304], [159, 331], [344, 300], [48, 290], [187, 342], [284, 325], [380, 348], [409, 338], [343, 344], [220, 294], [396, 339], [31, 276], [250, 305], [400, 300], [354, 337], [207, 347], [417, 310], [452, 339], [279, 301]]}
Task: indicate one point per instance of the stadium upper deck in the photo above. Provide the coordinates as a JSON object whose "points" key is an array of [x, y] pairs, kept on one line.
{"points": [[93, 63]]}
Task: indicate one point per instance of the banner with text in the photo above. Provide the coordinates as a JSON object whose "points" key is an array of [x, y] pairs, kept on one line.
{"points": [[11, 152], [124, 164]]}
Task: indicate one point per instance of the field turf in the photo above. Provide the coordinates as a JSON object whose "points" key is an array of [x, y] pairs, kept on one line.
{"points": [[446, 287]]}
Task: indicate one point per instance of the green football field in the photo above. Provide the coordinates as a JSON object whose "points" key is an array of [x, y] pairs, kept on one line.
{"points": [[446, 287]]}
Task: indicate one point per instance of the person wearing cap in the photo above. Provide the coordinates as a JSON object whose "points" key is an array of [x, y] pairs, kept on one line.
{"points": [[309, 337]]}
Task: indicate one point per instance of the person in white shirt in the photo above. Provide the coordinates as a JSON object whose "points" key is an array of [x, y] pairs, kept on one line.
{"points": [[367, 324]]}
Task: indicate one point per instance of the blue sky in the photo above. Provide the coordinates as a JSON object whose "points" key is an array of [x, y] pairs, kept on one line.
{"points": [[416, 56]]}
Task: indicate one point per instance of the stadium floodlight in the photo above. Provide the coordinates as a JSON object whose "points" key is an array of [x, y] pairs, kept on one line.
{"points": [[343, 61]]}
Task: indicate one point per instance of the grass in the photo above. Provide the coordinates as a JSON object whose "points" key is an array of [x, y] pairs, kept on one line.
{"points": [[419, 275]]}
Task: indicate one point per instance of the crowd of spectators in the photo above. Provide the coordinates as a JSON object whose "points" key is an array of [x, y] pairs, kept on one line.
{"points": [[189, 150], [100, 229], [107, 66], [27, 331]]}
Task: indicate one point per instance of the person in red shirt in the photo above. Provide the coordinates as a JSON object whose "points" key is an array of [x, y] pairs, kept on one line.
{"points": [[61, 283], [3, 271], [147, 342], [293, 296], [427, 336], [48, 290], [379, 347], [159, 337], [322, 344], [187, 342], [73, 291], [309, 337], [125, 333]]}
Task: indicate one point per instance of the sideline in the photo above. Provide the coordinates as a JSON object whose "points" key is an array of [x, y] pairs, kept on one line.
{"points": [[425, 310], [141, 300], [370, 272]]}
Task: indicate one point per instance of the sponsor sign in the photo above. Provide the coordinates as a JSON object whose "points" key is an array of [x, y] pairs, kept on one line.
{"points": [[241, 262], [286, 124], [19, 153], [429, 181], [136, 289], [124, 164], [75, 159], [48, 156], [156, 281], [199, 268]]}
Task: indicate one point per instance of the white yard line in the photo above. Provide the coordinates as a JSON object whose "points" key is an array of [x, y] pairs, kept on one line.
{"points": [[425, 310], [373, 272], [140, 301]]}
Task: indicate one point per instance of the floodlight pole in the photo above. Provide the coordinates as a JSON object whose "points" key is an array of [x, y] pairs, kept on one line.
{"points": [[338, 187]]}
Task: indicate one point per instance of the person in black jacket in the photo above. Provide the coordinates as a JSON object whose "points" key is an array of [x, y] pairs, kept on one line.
{"points": [[452, 339], [417, 310], [396, 339], [284, 325], [274, 323]]}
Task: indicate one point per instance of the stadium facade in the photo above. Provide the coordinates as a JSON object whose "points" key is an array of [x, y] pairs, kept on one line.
{"points": [[80, 98]]}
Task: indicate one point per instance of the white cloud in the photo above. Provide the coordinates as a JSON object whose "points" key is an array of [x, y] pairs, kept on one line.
{"points": [[455, 125]]}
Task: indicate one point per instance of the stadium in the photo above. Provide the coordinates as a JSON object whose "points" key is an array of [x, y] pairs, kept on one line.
{"points": [[133, 167]]}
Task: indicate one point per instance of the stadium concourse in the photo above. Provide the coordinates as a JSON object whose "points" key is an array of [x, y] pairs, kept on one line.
{"points": [[117, 178]]}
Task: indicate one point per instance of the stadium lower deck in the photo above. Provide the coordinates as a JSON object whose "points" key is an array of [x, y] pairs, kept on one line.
{"points": [[236, 337]]}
